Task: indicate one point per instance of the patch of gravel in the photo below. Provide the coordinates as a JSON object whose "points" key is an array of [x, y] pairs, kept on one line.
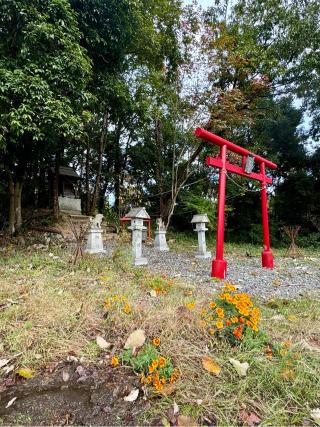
{"points": [[290, 278]]}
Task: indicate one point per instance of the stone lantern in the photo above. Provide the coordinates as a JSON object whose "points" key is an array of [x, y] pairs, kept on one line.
{"points": [[200, 221], [160, 241], [137, 215]]}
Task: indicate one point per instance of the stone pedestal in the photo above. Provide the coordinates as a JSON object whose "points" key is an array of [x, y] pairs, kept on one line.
{"points": [[160, 241], [201, 221], [95, 242]]}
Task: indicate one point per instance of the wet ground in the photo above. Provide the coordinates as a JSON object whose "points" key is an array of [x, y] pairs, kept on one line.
{"points": [[72, 395]]}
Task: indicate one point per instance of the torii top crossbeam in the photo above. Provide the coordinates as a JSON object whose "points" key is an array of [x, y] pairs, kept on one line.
{"points": [[219, 265]]}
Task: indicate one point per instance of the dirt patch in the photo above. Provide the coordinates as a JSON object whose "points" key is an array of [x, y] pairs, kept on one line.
{"points": [[73, 396]]}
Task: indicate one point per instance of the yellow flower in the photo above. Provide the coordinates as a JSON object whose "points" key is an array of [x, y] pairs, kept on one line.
{"points": [[151, 369], [149, 379], [127, 309], [203, 313], [115, 361], [212, 304], [234, 319], [156, 342], [190, 305], [219, 324], [229, 287]]}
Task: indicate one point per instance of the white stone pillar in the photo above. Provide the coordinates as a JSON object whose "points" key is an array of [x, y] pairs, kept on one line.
{"points": [[201, 221], [95, 242], [136, 228], [160, 241]]}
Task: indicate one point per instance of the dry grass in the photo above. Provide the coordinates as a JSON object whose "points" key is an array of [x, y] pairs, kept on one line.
{"points": [[60, 310]]}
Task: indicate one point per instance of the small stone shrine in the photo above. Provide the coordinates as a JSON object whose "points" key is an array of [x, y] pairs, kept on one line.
{"points": [[94, 240], [160, 241], [200, 221], [137, 216]]}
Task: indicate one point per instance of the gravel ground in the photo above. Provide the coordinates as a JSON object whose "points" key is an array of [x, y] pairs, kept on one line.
{"points": [[290, 278]]}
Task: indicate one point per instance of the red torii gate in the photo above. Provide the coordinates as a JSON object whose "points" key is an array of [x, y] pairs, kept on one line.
{"points": [[219, 265]]}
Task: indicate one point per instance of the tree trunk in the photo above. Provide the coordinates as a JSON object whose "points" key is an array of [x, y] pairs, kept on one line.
{"points": [[56, 186], [117, 168], [17, 205], [88, 197], [101, 152], [11, 207]]}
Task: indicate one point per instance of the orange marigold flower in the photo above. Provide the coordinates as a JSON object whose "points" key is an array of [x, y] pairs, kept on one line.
{"points": [[115, 361], [219, 324], [162, 362], [156, 342], [151, 369], [212, 304], [149, 379], [220, 312], [241, 320], [228, 322]]}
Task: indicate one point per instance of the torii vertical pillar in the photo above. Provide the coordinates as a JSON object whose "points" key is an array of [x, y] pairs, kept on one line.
{"points": [[267, 256], [219, 264]]}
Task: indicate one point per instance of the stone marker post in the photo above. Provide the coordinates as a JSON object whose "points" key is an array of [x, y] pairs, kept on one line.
{"points": [[94, 239], [160, 241], [201, 221], [137, 216]]}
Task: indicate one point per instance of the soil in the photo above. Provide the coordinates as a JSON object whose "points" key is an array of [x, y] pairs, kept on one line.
{"points": [[72, 395]]}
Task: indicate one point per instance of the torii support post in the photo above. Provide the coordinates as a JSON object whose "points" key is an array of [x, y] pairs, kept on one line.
{"points": [[219, 264]]}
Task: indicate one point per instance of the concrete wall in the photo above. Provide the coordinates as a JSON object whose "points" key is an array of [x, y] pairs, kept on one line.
{"points": [[69, 204]]}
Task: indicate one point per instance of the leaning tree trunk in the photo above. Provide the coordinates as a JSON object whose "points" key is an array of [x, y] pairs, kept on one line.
{"points": [[101, 152]]}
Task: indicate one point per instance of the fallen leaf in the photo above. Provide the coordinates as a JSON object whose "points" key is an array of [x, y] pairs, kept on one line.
{"points": [[168, 389], [11, 402], [175, 408], [185, 421], [65, 376], [210, 365], [153, 293], [132, 396], [102, 343], [4, 362], [278, 317], [251, 419], [269, 352], [292, 318], [241, 368], [315, 415], [25, 373], [135, 340], [8, 369]]}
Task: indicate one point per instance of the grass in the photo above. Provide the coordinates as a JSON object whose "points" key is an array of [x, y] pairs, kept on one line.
{"points": [[53, 308]]}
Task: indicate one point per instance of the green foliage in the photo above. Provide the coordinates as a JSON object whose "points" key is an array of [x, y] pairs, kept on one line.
{"points": [[200, 205]]}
